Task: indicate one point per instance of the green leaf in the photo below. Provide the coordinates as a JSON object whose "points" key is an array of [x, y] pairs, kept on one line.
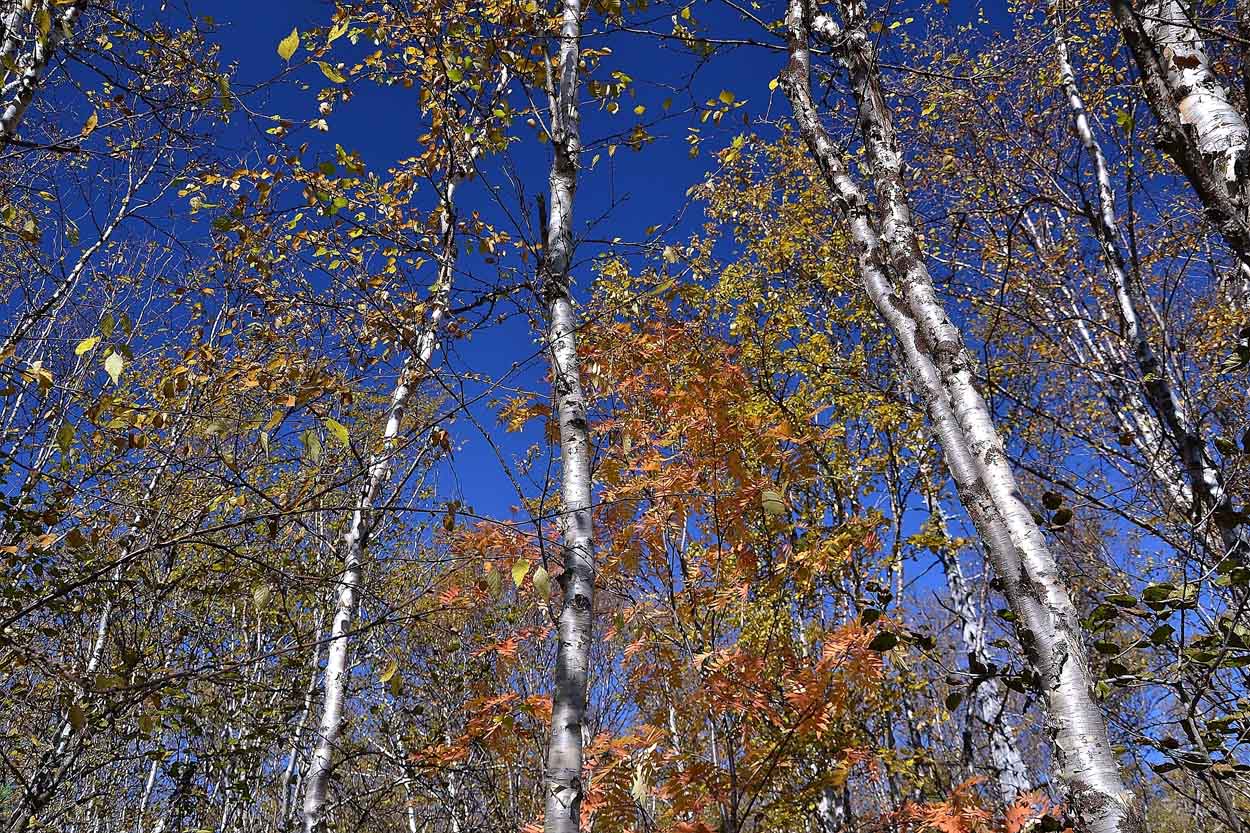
{"points": [[493, 581], [288, 45], [114, 365], [261, 595], [1236, 360], [454, 74], [312, 445], [65, 437], [331, 73], [106, 324], [883, 642], [519, 570], [338, 430]]}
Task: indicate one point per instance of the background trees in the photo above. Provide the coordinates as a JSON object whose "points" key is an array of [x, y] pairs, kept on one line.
{"points": [[282, 293]]}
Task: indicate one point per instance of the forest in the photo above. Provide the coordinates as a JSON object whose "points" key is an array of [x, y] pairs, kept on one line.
{"points": [[625, 416]]}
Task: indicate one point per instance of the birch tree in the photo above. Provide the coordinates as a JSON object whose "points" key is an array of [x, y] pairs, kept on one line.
{"points": [[892, 267], [1167, 412], [564, 786], [33, 31], [1199, 125], [415, 366]]}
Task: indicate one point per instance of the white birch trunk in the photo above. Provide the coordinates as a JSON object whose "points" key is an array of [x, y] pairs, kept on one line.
{"points": [[321, 763], [288, 773], [1199, 126], [564, 788], [63, 19], [1011, 776], [934, 351], [1204, 479]]}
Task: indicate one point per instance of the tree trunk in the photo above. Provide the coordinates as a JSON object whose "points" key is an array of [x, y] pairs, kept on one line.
{"points": [[355, 541], [893, 270], [21, 92], [1198, 125], [1206, 484], [564, 789], [1011, 776]]}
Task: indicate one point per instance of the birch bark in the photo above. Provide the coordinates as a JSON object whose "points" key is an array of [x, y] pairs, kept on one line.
{"points": [[564, 789], [893, 270], [21, 92], [355, 541], [1199, 127], [1011, 776], [1206, 484]]}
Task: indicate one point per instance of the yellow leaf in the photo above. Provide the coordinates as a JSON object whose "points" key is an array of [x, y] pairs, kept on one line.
{"points": [[772, 85], [542, 582], [338, 429], [337, 31], [86, 345], [519, 571], [531, 7], [288, 45], [773, 503], [114, 365], [389, 671], [92, 121], [639, 110], [331, 73], [726, 97]]}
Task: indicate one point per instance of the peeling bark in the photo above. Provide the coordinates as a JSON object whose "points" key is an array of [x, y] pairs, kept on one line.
{"points": [[893, 270], [563, 788], [1199, 127], [1171, 420], [21, 92]]}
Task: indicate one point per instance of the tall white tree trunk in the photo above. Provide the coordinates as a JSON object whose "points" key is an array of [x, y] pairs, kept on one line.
{"points": [[1172, 421], [988, 699], [286, 800], [321, 763], [19, 93], [893, 270], [1199, 127], [564, 788]]}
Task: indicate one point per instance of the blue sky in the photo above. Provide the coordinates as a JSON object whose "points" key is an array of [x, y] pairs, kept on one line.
{"points": [[625, 192]]}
